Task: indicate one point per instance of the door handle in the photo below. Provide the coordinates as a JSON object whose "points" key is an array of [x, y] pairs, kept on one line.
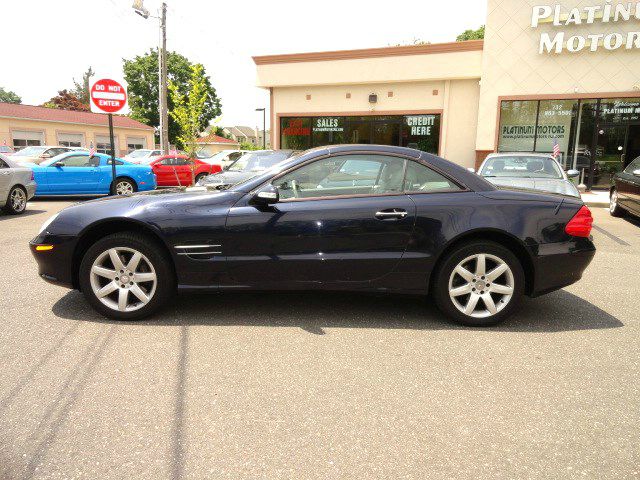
{"points": [[391, 214]]}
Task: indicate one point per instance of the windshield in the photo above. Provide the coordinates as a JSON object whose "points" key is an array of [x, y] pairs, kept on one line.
{"points": [[30, 152], [521, 166], [138, 153], [257, 162]]}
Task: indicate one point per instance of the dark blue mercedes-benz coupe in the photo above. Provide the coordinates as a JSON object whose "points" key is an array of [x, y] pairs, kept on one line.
{"points": [[364, 218]]}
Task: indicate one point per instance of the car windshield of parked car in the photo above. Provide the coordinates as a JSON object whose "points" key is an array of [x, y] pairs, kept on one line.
{"points": [[257, 162], [138, 153], [633, 166], [30, 152], [521, 166]]}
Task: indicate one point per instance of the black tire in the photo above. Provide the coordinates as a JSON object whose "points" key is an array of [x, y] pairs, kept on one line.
{"points": [[156, 256], [200, 177], [123, 184], [614, 207], [11, 207], [444, 273]]}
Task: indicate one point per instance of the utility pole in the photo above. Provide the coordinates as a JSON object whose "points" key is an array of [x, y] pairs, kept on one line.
{"points": [[138, 6], [162, 61], [264, 127]]}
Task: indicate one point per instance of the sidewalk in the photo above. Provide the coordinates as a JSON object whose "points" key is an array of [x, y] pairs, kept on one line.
{"points": [[596, 198]]}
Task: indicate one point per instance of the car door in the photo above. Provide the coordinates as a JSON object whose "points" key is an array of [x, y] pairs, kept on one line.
{"points": [[629, 187], [327, 227], [74, 174], [187, 168]]}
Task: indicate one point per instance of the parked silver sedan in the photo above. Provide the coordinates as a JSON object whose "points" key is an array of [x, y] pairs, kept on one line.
{"points": [[17, 186], [533, 171]]}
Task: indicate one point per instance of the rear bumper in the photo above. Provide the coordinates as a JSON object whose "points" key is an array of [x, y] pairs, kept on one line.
{"points": [[31, 189], [56, 265], [557, 265]]}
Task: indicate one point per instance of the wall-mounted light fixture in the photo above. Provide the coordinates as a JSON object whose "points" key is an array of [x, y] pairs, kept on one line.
{"points": [[373, 98]]}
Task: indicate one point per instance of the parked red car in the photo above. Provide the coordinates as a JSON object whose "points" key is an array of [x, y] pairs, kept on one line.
{"points": [[180, 170]]}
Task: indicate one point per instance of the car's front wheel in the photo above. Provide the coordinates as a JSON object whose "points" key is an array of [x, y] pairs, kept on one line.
{"points": [[479, 284], [614, 208], [16, 201], [127, 276]]}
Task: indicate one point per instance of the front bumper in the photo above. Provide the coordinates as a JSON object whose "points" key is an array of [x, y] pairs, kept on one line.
{"points": [[55, 265], [557, 265]]}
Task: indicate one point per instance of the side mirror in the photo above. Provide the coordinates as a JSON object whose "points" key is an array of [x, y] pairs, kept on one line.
{"points": [[637, 172], [58, 164], [267, 196], [573, 173]]}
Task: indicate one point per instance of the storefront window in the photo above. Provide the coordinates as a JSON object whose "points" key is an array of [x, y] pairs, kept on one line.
{"points": [[295, 133], [414, 131], [328, 131], [557, 123], [422, 132], [619, 110], [518, 121]]}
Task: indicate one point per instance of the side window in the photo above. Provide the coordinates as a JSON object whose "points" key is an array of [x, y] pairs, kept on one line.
{"points": [[118, 162], [76, 161], [633, 166], [420, 178], [344, 175], [170, 162], [3, 164], [234, 156]]}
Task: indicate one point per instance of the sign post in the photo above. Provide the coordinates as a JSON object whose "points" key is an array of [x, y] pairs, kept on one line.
{"points": [[109, 96]]}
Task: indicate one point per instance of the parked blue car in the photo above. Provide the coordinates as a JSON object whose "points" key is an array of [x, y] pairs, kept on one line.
{"points": [[76, 173]]}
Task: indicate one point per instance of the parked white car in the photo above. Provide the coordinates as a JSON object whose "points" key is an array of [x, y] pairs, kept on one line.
{"points": [[38, 153], [17, 186], [533, 171], [223, 158], [141, 155]]}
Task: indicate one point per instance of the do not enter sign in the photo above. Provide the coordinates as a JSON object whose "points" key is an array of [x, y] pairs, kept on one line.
{"points": [[108, 96]]}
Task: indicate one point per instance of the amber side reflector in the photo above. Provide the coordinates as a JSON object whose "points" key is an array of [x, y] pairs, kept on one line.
{"points": [[43, 248]]}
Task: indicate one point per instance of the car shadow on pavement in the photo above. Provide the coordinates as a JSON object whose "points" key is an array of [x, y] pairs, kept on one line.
{"points": [[26, 213], [314, 311]]}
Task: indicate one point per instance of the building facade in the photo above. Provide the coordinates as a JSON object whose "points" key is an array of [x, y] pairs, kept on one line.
{"points": [[27, 125], [566, 72]]}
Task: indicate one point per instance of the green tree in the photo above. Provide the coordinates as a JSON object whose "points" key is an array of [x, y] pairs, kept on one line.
{"points": [[8, 96], [249, 146], [471, 35], [188, 109], [81, 89], [141, 75]]}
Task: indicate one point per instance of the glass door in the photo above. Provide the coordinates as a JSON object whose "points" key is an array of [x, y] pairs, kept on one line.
{"points": [[610, 154]]}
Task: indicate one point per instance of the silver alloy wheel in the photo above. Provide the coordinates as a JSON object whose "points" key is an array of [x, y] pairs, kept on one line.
{"points": [[613, 201], [479, 291], [123, 279], [124, 188], [18, 200]]}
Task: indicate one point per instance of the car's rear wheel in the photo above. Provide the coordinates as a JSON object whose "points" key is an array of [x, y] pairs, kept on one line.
{"points": [[479, 284], [127, 276], [614, 208], [124, 187], [16, 201], [202, 176]]}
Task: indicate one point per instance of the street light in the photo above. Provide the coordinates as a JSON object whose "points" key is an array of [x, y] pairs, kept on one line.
{"points": [[141, 10], [264, 127]]}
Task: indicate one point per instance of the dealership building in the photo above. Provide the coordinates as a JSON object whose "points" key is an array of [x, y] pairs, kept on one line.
{"points": [[565, 72]]}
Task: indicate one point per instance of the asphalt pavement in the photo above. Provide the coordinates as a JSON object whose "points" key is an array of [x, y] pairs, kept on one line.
{"points": [[318, 385]]}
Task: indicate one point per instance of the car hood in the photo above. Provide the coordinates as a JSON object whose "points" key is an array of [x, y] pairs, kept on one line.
{"points": [[551, 185]]}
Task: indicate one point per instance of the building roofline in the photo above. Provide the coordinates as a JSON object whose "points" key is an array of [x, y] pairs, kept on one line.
{"points": [[31, 119], [426, 49]]}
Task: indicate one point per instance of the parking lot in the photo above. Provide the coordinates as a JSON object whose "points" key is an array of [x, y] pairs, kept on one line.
{"points": [[320, 385]]}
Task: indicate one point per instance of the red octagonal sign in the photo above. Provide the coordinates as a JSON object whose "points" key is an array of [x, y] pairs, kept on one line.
{"points": [[108, 96]]}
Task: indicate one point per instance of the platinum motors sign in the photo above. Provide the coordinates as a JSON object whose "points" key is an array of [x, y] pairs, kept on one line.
{"points": [[606, 15]]}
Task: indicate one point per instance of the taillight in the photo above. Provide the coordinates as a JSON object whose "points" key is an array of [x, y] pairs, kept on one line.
{"points": [[580, 224]]}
